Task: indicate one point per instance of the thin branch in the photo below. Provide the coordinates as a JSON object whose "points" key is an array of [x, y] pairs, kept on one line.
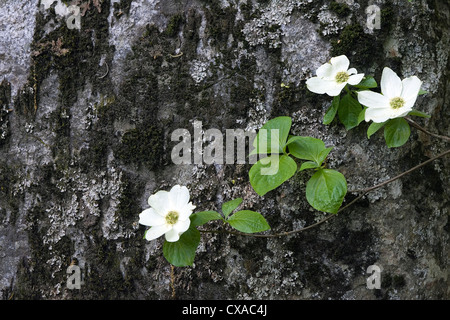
{"points": [[419, 127], [406, 172], [363, 193]]}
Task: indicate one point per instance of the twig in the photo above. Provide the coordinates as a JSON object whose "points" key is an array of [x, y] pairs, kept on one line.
{"points": [[418, 127], [176, 55], [107, 71], [363, 193]]}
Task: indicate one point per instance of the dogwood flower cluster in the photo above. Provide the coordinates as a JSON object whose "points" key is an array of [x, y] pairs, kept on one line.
{"points": [[168, 214], [396, 99]]}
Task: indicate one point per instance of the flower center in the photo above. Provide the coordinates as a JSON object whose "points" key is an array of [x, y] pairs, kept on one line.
{"points": [[397, 103], [342, 77], [172, 217]]}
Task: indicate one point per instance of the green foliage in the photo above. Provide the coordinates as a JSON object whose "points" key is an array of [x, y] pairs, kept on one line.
{"points": [[332, 111], [182, 252], [419, 114], [326, 190], [271, 172], [200, 218], [367, 83], [229, 206], [276, 129], [374, 127], [248, 221], [349, 110], [396, 132], [308, 148], [351, 113]]}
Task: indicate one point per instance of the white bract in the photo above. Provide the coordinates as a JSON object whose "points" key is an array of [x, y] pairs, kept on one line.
{"points": [[397, 98], [333, 76], [169, 214]]}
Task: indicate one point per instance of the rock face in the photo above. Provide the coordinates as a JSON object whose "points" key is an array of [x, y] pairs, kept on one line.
{"points": [[86, 117]]}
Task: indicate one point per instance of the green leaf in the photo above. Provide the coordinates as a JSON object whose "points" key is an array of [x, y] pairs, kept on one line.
{"points": [[323, 155], [182, 252], [308, 148], [362, 115], [200, 218], [229, 206], [248, 221], [374, 127], [421, 92], [418, 114], [367, 83], [263, 141], [331, 112], [308, 165], [349, 110], [326, 190], [269, 173], [396, 132]]}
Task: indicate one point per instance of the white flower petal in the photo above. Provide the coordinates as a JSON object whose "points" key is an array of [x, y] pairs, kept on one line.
{"points": [[355, 79], [186, 211], [172, 235], [160, 202], [401, 112], [335, 89], [340, 63], [321, 86], [372, 99], [325, 71], [179, 196], [150, 218], [157, 231], [391, 85], [316, 85], [410, 89], [377, 115], [352, 71], [182, 225], [409, 104]]}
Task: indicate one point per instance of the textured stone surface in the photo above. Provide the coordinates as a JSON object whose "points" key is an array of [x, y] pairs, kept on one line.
{"points": [[86, 125]]}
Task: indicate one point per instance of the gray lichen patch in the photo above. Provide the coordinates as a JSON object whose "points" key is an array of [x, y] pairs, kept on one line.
{"points": [[16, 36]]}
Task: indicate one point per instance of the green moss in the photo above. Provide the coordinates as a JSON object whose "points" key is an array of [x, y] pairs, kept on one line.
{"points": [[289, 96], [220, 24], [389, 283], [359, 47], [398, 281], [8, 200], [34, 273], [5, 98], [122, 7], [128, 207], [141, 146], [174, 25], [387, 17], [341, 9]]}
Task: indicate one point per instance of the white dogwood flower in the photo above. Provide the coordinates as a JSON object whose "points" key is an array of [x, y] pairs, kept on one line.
{"points": [[168, 214], [397, 98], [333, 76]]}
